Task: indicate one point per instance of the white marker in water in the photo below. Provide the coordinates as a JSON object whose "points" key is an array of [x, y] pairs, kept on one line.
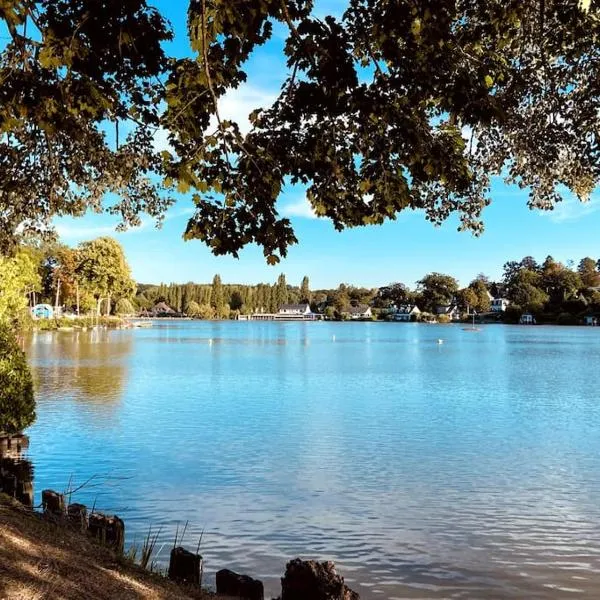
{"points": [[440, 341], [333, 338], [210, 341]]}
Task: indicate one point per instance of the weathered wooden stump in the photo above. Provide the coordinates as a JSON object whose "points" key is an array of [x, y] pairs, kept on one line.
{"points": [[77, 515], [25, 493], [311, 579], [8, 483], [108, 530], [53, 503], [239, 586], [185, 567]]}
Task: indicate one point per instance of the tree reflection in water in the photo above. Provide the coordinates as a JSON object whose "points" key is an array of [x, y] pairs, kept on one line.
{"points": [[86, 365]]}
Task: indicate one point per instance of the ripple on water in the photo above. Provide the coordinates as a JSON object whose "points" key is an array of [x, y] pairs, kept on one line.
{"points": [[464, 470]]}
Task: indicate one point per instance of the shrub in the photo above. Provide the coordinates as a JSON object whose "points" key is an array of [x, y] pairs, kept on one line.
{"points": [[124, 307], [17, 402], [566, 318], [443, 319], [192, 309]]}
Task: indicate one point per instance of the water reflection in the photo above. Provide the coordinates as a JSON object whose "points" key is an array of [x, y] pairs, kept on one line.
{"points": [[88, 365], [16, 472], [469, 469]]}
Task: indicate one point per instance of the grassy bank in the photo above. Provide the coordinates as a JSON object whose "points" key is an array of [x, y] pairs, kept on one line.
{"points": [[75, 323], [41, 560]]}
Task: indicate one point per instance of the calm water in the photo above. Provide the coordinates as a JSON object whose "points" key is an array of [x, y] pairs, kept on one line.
{"points": [[469, 469]]}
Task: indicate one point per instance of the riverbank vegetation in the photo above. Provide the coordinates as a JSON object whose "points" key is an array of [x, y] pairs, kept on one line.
{"points": [[41, 559], [554, 292]]}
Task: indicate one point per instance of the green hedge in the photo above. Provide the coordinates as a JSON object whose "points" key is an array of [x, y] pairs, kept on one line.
{"points": [[17, 402]]}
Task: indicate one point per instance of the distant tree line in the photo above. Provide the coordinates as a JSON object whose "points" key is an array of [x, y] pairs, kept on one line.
{"points": [[551, 290]]}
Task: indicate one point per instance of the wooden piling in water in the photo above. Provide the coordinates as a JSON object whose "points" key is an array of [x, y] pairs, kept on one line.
{"points": [[108, 530], [185, 567], [53, 503], [239, 586]]}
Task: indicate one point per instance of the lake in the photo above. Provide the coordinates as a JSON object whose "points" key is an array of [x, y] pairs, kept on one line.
{"points": [[467, 469]]}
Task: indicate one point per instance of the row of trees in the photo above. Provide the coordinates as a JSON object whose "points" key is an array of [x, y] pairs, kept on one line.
{"points": [[551, 288], [93, 277]]}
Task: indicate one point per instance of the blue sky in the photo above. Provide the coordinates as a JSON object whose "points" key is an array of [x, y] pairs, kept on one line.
{"points": [[402, 250]]}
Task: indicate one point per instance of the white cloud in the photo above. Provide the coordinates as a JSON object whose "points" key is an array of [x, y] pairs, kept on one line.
{"points": [[236, 105], [161, 141], [572, 209], [73, 231], [299, 208]]}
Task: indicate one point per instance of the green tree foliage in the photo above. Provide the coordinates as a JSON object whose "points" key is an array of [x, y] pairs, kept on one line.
{"points": [[305, 295], [281, 292], [217, 301], [103, 269], [436, 289], [559, 282], [18, 277], [64, 280], [69, 71], [389, 107], [124, 306], [17, 403], [192, 309], [476, 296], [341, 301], [588, 271], [396, 294]]}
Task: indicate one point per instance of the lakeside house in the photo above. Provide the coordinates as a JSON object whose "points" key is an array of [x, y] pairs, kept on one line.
{"points": [[162, 309], [527, 319], [286, 312], [590, 320], [357, 313], [449, 310], [294, 309], [499, 304], [405, 313]]}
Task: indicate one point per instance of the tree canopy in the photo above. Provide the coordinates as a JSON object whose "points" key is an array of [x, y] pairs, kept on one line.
{"points": [[394, 105], [103, 269], [17, 402]]}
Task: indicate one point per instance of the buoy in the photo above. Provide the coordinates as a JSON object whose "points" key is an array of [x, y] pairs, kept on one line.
{"points": [[440, 341], [333, 338], [210, 341]]}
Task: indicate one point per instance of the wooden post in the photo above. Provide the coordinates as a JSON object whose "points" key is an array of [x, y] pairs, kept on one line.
{"points": [[77, 514], [185, 567], [53, 503], [109, 531], [239, 586]]}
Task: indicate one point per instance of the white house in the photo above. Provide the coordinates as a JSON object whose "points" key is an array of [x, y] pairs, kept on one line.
{"points": [[499, 304], [406, 313], [450, 310], [294, 309], [590, 320], [355, 313]]}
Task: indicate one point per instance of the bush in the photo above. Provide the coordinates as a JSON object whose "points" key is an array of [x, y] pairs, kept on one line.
{"points": [[124, 307], [566, 318], [17, 402], [192, 309], [443, 319]]}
